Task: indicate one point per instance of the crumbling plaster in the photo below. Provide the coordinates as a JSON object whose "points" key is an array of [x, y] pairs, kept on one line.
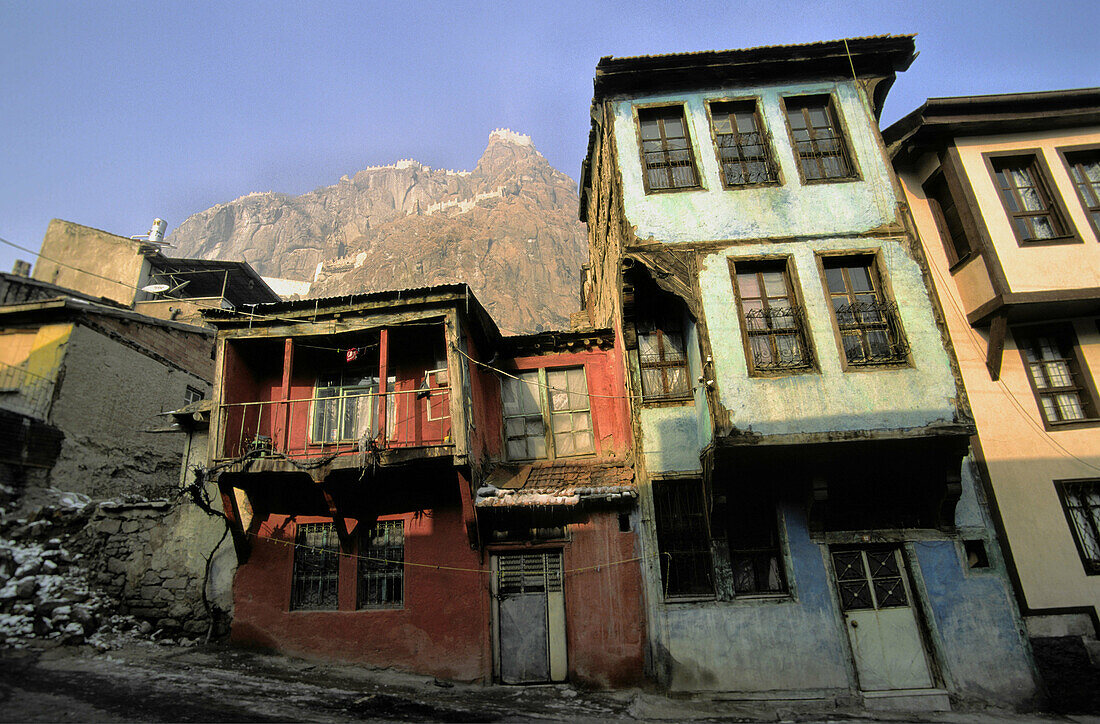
{"points": [[830, 397], [788, 209], [108, 399]]}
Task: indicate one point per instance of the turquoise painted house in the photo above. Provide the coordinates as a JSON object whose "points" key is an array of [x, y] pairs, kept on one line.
{"points": [[811, 525]]}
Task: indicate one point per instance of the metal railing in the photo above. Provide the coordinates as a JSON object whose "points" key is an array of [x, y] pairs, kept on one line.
{"points": [[25, 391], [872, 333], [343, 421]]}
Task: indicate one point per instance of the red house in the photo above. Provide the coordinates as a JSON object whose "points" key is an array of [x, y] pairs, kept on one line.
{"points": [[471, 518]]}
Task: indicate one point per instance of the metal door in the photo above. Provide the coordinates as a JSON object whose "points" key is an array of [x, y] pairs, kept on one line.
{"points": [[530, 618], [879, 616]]}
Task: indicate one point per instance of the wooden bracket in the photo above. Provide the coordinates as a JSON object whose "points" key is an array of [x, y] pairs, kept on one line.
{"points": [[997, 331]]}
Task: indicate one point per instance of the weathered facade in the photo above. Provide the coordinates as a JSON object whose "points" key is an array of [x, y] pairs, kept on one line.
{"points": [[123, 270], [1004, 194], [814, 529], [471, 518]]}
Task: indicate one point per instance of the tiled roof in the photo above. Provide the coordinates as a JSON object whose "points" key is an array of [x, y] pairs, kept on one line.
{"points": [[556, 483]]}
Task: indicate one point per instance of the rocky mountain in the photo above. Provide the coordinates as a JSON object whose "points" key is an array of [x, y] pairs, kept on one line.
{"points": [[508, 228]]}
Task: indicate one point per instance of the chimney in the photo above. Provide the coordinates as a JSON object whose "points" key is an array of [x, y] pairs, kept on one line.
{"points": [[21, 268]]}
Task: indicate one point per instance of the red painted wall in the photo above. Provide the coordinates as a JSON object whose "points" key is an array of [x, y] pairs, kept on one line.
{"points": [[604, 613], [443, 629]]}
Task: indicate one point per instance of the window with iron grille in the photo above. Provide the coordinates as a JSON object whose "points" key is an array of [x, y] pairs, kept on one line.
{"points": [[1084, 169], [667, 158], [818, 141], [1081, 501], [956, 242], [742, 145], [662, 356], [869, 325], [1027, 200], [316, 568], [683, 538], [771, 317], [1058, 376], [547, 414], [756, 557], [382, 565], [345, 406]]}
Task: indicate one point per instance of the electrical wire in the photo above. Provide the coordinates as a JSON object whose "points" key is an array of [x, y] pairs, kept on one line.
{"points": [[436, 566], [976, 342]]}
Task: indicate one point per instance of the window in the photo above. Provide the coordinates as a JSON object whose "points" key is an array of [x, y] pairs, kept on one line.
{"points": [[666, 149], [382, 565], [1057, 375], [1081, 501], [345, 409], [192, 395], [772, 321], [742, 146], [683, 538], [818, 140], [955, 240], [1084, 169], [1026, 198], [870, 330], [546, 414], [755, 554], [662, 358], [316, 568]]}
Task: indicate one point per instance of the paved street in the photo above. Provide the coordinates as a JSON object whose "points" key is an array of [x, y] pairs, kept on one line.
{"points": [[150, 683]]}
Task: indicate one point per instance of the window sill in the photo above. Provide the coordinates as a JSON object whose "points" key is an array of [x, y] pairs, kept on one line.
{"points": [[786, 372], [961, 262], [838, 180], [757, 185], [901, 364], [678, 189], [678, 401], [1071, 424], [691, 599], [1055, 241]]}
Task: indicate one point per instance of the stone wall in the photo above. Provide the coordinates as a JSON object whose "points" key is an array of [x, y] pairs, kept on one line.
{"points": [[151, 556]]}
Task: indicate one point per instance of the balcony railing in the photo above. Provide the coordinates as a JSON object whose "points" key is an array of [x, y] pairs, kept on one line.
{"points": [[343, 420]]}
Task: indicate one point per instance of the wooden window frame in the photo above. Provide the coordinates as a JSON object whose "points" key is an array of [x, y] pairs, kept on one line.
{"points": [[385, 563], [1066, 489], [1089, 207], [683, 534], [715, 110], [547, 412], [639, 112], [798, 326], [1054, 205], [657, 323], [844, 151], [889, 313], [1084, 386], [950, 239]]}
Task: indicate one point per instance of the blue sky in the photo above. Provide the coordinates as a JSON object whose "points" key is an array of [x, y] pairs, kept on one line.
{"points": [[113, 113]]}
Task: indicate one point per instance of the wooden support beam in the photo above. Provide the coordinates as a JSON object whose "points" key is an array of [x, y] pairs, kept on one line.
{"points": [[337, 520], [283, 441], [383, 377], [997, 331]]}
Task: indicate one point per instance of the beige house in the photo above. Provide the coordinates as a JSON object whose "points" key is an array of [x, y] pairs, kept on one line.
{"points": [[1005, 194]]}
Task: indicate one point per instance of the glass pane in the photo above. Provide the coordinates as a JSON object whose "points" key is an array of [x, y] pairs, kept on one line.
{"points": [[651, 381], [722, 124], [762, 350], [647, 345], [674, 126], [748, 286], [835, 279], [796, 119], [746, 122], [818, 118], [861, 278], [650, 130], [582, 442], [1058, 374], [678, 380], [1030, 200], [536, 447], [514, 426], [535, 427], [561, 422], [1069, 406], [774, 284], [563, 444], [1042, 227], [517, 450], [582, 421], [674, 346]]}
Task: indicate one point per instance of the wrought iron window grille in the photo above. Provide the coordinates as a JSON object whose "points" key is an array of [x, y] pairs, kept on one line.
{"points": [[872, 333], [745, 159], [673, 377], [778, 339]]}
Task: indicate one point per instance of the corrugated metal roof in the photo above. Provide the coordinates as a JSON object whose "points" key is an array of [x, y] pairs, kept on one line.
{"points": [[784, 46]]}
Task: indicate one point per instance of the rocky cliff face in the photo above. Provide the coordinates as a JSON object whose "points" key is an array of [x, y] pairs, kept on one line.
{"points": [[508, 228]]}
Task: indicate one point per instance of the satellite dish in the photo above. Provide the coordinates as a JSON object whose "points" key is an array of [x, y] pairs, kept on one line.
{"points": [[155, 288]]}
